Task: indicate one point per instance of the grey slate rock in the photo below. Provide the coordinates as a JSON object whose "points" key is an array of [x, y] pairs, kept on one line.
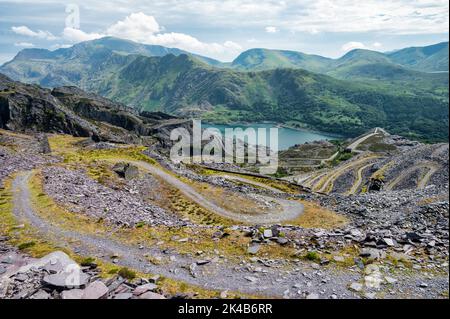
{"points": [[95, 290], [72, 294], [144, 288], [66, 280], [253, 248]]}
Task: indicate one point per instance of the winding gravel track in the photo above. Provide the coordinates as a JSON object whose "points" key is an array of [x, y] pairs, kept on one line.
{"points": [[426, 178], [290, 209], [248, 181], [356, 143], [432, 168], [359, 179], [326, 183], [219, 274]]}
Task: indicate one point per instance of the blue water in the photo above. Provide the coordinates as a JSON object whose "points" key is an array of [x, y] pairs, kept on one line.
{"points": [[286, 137]]}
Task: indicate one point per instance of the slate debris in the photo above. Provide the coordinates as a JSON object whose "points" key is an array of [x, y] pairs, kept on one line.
{"points": [[37, 282]]}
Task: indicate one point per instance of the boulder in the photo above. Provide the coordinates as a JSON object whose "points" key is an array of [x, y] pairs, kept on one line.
{"points": [[124, 295], [282, 241], [144, 288], [370, 253], [66, 280], [253, 248], [268, 233], [126, 170], [41, 294], [95, 290], [55, 258], [389, 241]]}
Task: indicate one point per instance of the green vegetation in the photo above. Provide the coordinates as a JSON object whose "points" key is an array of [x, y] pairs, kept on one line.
{"points": [[87, 262], [312, 255], [426, 59], [127, 273], [281, 172], [342, 157], [430, 58], [367, 89], [140, 224], [26, 245]]}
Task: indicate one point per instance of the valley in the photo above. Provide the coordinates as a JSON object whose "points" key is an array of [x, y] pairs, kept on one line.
{"points": [[87, 183], [361, 90]]}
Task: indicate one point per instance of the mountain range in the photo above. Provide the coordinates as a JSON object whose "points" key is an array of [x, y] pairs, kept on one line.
{"points": [[405, 91], [433, 58]]}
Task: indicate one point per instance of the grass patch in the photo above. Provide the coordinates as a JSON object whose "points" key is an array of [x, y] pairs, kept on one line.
{"points": [[315, 216], [88, 261], [140, 224], [127, 273], [312, 256], [65, 146], [26, 245], [342, 157]]}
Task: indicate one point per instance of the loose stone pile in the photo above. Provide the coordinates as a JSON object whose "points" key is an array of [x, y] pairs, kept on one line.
{"points": [[56, 276], [20, 161], [114, 206]]}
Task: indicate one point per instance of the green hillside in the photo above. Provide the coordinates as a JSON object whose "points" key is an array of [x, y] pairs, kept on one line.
{"points": [[380, 93], [433, 58], [264, 59]]}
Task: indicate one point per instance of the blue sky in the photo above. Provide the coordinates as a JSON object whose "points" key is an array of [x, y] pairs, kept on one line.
{"points": [[223, 28]]}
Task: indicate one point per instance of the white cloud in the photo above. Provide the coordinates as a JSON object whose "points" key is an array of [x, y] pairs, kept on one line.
{"points": [[232, 46], [352, 45], [377, 45], [392, 17], [141, 28], [145, 29], [60, 46], [359, 45], [77, 35], [25, 31], [137, 27], [24, 44], [271, 29]]}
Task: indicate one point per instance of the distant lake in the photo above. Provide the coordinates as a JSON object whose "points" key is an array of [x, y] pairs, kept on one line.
{"points": [[287, 137]]}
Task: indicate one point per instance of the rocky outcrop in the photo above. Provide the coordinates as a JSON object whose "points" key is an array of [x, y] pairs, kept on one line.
{"points": [[31, 108], [126, 170], [69, 110]]}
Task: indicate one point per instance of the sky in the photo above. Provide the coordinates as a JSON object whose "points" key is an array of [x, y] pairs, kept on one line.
{"points": [[222, 29]]}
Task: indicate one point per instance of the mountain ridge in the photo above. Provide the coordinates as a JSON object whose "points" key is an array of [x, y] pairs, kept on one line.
{"points": [[184, 85], [287, 58]]}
